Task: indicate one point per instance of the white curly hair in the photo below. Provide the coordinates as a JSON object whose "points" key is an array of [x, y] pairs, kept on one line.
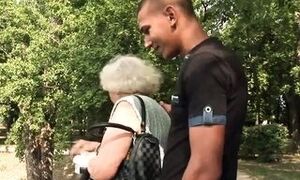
{"points": [[130, 74]]}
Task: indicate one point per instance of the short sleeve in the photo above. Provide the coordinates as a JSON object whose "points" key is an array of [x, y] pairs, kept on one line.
{"points": [[125, 114], [205, 81]]}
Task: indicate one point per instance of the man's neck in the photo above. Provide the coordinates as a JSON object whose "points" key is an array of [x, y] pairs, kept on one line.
{"points": [[191, 37]]}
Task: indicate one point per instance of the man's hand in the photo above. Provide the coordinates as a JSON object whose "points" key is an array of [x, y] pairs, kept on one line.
{"points": [[166, 106], [82, 146]]}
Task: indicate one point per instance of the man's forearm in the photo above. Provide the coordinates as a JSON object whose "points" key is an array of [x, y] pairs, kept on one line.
{"points": [[202, 171]]}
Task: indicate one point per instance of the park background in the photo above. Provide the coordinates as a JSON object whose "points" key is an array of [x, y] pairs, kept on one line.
{"points": [[51, 52]]}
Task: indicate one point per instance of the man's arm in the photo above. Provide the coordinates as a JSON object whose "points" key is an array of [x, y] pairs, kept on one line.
{"points": [[206, 144], [206, 88]]}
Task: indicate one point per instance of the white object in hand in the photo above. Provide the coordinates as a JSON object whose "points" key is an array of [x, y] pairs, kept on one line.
{"points": [[82, 160]]}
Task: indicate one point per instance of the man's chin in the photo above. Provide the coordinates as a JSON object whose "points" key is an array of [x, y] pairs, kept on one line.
{"points": [[168, 56], [165, 56]]}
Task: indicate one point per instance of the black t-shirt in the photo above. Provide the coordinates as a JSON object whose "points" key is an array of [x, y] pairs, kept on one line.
{"points": [[211, 89]]}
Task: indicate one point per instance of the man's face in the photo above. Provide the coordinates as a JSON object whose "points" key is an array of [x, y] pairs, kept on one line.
{"points": [[157, 31]]}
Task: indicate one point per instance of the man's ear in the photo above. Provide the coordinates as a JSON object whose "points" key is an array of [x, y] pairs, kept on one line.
{"points": [[170, 13]]}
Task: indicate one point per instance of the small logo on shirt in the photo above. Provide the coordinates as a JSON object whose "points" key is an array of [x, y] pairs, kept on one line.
{"points": [[186, 57], [207, 109], [207, 114], [175, 99]]}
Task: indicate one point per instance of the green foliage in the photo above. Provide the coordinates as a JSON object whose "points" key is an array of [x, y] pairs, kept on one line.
{"points": [[51, 53], [296, 74], [267, 142], [50, 56], [265, 35]]}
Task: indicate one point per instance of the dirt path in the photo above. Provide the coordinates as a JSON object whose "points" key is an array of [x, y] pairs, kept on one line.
{"points": [[11, 168]]}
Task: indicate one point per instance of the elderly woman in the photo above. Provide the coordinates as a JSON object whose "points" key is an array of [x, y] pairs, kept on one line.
{"points": [[122, 77]]}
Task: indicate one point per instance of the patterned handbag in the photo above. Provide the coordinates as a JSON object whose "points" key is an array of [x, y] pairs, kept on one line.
{"points": [[143, 160]]}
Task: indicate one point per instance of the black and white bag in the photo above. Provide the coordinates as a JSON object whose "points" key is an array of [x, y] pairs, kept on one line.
{"points": [[143, 160]]}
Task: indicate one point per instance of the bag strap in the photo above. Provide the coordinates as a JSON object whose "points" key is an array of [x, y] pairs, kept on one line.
{"points": [[100, 126], [143, 113], [97, 129]]}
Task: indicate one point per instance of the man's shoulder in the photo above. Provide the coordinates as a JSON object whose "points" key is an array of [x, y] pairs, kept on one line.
{"points": [[213, 47], [212, 51], [202, 58]]}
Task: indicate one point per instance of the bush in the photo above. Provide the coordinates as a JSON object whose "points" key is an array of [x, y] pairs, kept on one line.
{"points": [[264, 142]]}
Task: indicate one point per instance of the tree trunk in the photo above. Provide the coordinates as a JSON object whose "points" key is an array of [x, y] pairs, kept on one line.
{"points": [[293, 104], [39, 154]]}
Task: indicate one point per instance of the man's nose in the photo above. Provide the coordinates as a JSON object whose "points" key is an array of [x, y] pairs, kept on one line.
{"points": [[147, 42]]}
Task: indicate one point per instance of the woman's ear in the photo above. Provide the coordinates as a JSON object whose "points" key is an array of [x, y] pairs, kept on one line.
{"points": [[170, 13]]}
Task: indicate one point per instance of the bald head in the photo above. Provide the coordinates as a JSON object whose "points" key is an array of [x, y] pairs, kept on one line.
{"points": [[185, 5]]}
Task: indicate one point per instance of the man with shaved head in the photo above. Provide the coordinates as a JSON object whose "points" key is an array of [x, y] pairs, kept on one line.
{"points": [[208, 106]]}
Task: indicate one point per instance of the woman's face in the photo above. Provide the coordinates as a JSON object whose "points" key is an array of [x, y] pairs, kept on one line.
{"points": [[114, 97]]}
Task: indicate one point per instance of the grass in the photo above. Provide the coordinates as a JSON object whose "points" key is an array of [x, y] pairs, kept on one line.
{"points": [[288, 169]]}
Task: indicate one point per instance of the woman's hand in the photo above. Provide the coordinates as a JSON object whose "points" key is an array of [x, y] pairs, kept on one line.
{"points": [[83, 146], [166, 106]]}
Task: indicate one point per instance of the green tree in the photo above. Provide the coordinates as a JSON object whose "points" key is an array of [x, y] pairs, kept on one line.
{"points": [[265, 34], [51, 53]]}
